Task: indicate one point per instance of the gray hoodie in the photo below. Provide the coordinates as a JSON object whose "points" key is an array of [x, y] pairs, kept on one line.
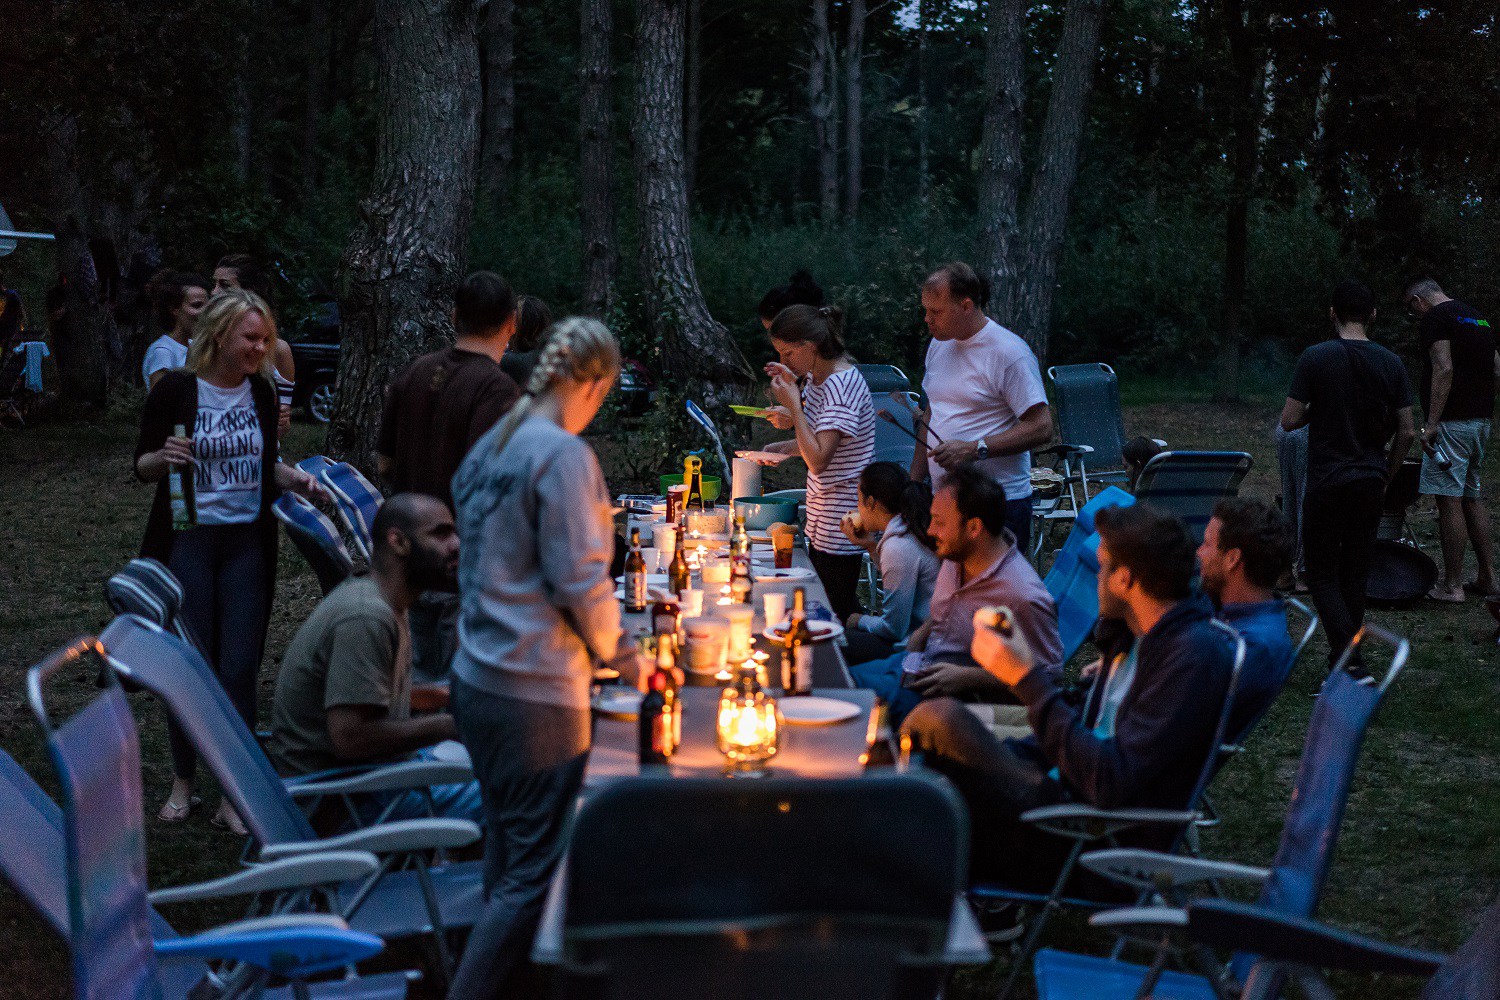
{"points": [[537, 604]]}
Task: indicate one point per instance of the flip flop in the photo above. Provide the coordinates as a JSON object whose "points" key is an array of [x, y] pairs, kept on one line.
{"points": [[170, 813], [237, 828], [1436, 595]]}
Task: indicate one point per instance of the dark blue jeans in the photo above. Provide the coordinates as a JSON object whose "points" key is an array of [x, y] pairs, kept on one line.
{"points": [[1018, 520], [222, 568]]}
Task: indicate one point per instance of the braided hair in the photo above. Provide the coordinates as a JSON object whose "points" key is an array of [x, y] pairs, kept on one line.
{"points": [[578, 348]]}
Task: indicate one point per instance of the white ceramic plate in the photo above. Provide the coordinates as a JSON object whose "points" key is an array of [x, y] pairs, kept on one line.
{"points": [[821, 630], [763, 457], [618, 701], [816, 711], [769, 574], [652, 580]]}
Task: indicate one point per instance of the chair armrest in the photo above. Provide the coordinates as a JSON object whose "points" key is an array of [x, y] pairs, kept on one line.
{"points": [[301, 872], [291, 946], [384, 778], [1303, 942], [1141, 918], [1081, 822], [1064, 449], [399, 837], [1152, 871]]}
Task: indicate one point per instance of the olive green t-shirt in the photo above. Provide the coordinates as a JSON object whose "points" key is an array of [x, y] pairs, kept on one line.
{"points": [[353, 650]]}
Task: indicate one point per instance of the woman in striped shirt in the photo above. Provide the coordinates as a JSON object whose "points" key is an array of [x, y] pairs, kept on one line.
{"points": [[824, 398]]}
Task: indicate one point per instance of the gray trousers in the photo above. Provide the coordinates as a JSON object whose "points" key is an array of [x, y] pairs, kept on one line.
{"points": [[1291, 454], [529, 761], [434, 635]]}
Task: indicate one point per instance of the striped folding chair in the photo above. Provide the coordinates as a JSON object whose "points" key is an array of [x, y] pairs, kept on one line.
{"points": [[316, 537]]}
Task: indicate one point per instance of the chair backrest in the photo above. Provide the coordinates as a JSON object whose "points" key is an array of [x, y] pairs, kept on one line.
{"points": [[1083, 528], [1295, 609], [317, 538], [1189, 484], [1086, 399], [892, 443], [884, 378], [358, 500], [33, 855], [97, 757], [733, 888], [176, 673], [147, 589], [1075, 593], [1219, 750]]}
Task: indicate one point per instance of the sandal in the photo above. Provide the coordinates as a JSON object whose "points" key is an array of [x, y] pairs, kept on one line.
{"points": [[230, 823], [171, 812]]}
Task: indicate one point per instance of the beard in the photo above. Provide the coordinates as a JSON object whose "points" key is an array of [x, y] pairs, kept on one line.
{"points": [[429, 569]]}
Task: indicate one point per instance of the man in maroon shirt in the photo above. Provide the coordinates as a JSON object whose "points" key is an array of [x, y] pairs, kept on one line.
{"points": [[435, 410]]}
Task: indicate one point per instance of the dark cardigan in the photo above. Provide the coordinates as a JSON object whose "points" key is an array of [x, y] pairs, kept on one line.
{"points": [[174, 401]]}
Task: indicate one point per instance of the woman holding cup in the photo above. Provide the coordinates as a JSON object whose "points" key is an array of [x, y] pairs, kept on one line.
{"points": [[823, 398]]}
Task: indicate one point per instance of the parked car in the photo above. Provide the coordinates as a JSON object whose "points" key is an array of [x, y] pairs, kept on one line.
{"points": [[316, 353]]}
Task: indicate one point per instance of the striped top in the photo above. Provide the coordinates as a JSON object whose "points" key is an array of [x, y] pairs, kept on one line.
{"points": [[841, 403]]}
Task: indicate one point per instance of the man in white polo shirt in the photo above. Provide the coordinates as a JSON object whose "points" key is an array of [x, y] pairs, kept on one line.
{"points": [[984, 394]]}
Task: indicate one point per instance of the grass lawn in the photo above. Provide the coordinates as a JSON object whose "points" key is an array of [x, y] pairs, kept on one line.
{"points": [[1416, 863]]}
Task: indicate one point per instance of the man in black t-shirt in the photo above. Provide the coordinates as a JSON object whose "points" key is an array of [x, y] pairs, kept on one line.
{"points": [[1354, 397], [1458, 401], [435, 410]]}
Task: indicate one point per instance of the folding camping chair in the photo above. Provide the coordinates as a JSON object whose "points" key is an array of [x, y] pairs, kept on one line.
{"points": [[84, 870], [316, 538], [1189, 484], [1085, 825], [355, 498], [1086, 401], [409, 895], [885, 378], [895, 442], [1291, 887], [821, 893], [146, 588]]}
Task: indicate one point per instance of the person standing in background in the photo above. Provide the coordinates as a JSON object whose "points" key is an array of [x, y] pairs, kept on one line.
{"points": [[1458, 403], [532, 320], [226, 561], [177, 298], [240, 270], [985, 397], [800, 290], [1354, 398], [12, 317], [435, 410]]}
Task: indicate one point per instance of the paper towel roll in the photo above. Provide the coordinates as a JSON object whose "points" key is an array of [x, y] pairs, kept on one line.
{"points": [[745, 478]]}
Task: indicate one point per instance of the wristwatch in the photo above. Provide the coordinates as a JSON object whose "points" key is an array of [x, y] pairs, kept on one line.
{"points": [[981, 450]]}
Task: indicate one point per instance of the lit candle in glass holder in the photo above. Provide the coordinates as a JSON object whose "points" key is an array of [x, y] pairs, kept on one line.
{"points": [[749, 727], [724, 598]]}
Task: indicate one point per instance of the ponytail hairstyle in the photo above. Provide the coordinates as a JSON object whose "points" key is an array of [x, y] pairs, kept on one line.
{"points": [[800, 290], [251, 276], [166, 291], [223, 311], [532, 320], [888, 484], [579, 349], [821, 326]]}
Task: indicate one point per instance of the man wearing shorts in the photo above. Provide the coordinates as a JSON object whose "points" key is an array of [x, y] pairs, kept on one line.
{"points": [[1458, 399]]}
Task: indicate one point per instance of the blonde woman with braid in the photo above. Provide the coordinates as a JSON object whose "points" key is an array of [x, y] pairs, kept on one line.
{"points": [[537, 612]]}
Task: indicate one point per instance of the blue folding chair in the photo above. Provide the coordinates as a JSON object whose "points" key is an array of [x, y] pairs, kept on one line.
{"points": [[355, 498], [85, 871], [894, 442], [316, 538], [1291, 887], [1083, 528], [1086, 402], [410, 895], [1189, 484]]}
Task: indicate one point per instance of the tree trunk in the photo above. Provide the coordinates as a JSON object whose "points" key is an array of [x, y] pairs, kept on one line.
{"points": [[692, 112], [820, 98], [79, 341], [315, 98], [601, 259], [1246, 117], [499, 102], [1056, 167], [924, 173], [854, 162], [407, 255], [701, 357], [1000, 152]]}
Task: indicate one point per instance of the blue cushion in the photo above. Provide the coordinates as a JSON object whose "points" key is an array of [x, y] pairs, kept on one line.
{"points": [[1063, 976]]}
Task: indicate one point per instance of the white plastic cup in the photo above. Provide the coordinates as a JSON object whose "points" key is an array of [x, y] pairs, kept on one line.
{"points": [[741, 618], [692, 603], [775, 605], [715, 573], [706, 641], [664, 540]]}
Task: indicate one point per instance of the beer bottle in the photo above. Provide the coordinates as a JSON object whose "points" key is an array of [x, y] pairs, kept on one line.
{"points": [[654, 725], [180, 487], [679, 577], [797, 650], [666, 662], [635, 575], [741, 583]]}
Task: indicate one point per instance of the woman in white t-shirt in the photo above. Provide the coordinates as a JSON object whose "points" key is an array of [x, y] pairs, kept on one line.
{"points": [[824, 398], [225, 558], [176, 300]]}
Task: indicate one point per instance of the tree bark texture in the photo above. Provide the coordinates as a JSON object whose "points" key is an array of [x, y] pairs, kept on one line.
{"points": [[1055, 169], [498, 151], [315, 99], [701, 356], [692, 111], [1246, 115], [854, 162], [79, 342], [407, 255], [1000, 155], [924, 171], [821, 74], [601, 258]]}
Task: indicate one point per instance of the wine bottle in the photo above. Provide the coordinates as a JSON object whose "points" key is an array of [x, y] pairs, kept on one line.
{"points": [[180, 487], [741, 587], [635, 575], [796, 650]]}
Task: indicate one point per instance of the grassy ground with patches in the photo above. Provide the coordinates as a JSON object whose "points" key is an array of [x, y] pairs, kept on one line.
{"points": [[1416, 863]]}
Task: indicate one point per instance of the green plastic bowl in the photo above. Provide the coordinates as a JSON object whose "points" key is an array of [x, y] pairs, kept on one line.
{"points": [[711, 486], [762, 512]]}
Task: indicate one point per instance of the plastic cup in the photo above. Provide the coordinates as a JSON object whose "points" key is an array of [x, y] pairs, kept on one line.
{"points": [[741, 618], [706, 642], [715, 572], [692, 603], [775, 605]]}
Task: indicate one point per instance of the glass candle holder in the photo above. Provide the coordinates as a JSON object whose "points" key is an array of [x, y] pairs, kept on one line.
{"points": [[749, 726]]}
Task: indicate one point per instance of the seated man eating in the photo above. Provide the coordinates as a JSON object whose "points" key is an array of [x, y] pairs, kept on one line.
{"points": [[1142, 734], [981, 566], [344, 693], [1246, 548]]}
